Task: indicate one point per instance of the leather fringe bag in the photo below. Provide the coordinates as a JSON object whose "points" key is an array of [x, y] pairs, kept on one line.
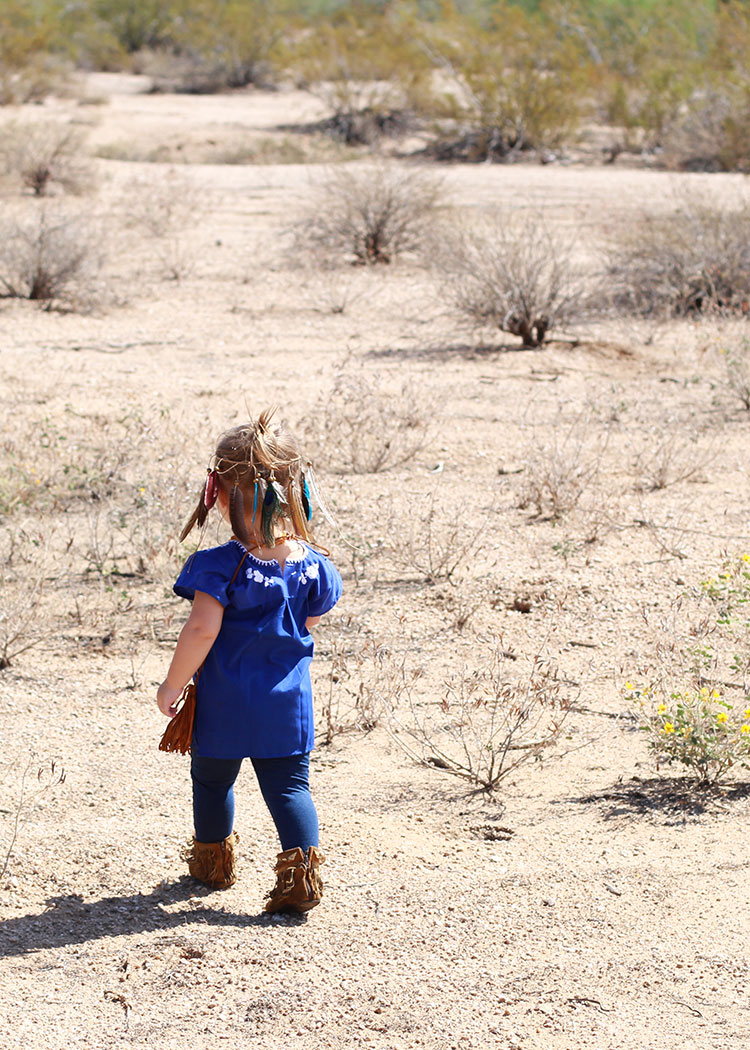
{"points": [[178, 736]]}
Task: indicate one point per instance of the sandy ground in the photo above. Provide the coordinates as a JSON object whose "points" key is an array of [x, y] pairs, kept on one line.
{"points": [[590, 903]]}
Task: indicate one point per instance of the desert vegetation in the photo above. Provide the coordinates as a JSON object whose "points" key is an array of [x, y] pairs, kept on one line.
{"points": [[491, 262], [488, 81]]}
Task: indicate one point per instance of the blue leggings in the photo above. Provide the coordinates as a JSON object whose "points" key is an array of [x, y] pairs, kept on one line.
{"points": [[284, 784]]}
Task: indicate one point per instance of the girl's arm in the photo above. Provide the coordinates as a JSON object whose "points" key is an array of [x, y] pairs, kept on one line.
{"points": [[193, 645], [312, 620]]}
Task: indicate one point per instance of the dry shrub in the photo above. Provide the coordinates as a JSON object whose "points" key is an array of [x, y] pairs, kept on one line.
{"points": [[513, 274], [363, 426], [560, 470], [165, 205], [434, 539], [667, 460], [45, 156], [35, 778], [336, 291], [200, 47], [51, 256], [489, 720], [161, 203], [121, 479], [369, 216], [737, 371], [29, 67], [695, 261], [23, 574], [714, 133], [342, 673]]}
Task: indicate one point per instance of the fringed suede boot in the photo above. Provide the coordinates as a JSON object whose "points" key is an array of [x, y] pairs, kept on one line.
{"points": [[212, 862], [298, 885]]}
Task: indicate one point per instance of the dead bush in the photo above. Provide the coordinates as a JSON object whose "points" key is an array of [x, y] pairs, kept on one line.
{"points": [[560, 469], [737, 371], [517, 275], [369, 216], [694, 261], [362, 426], [45, 156], [342, 677], [434, 539], [22, 578], [162, 203], [35, 778], [713, 134], [667, 460], [52, 257], [488, 721]]}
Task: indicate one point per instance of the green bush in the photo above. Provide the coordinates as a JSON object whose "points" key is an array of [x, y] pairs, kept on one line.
{"points": [[29, 67], [367, 66], [515, 83], [698, 727], [229, 43]]}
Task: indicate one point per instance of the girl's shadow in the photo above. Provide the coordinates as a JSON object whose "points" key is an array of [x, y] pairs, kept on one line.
{"points": [[72, 920]]}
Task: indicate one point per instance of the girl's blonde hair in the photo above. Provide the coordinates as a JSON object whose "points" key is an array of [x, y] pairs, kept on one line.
{"points": [[259, 464]]}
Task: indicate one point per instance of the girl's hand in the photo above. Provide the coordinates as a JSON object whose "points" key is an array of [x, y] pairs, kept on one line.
{"points": [[166, 698]]}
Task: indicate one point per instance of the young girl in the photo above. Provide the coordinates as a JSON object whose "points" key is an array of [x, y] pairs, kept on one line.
{"points": [[247, 642]]}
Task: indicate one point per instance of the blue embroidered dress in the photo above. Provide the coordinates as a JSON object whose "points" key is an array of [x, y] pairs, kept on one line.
{"points": [[254, 696]]}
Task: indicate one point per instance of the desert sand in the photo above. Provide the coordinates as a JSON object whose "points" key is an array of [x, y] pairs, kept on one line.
{"points": [[592, 902]]}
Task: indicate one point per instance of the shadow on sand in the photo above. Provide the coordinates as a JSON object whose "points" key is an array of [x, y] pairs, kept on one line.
{"points": [[674, 799], [450, 351], [70, 920]]}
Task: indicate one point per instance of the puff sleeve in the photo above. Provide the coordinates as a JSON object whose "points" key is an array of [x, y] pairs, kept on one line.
{"points": [[209, 571], [325, 590]]}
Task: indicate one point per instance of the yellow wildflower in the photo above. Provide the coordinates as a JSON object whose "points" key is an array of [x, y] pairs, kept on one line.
{"points": [[667, 728], [745, 729], [721, 717], [747, 712], [661, 708], [716, 694], [629, 686], [746, 557], [704, 691]]}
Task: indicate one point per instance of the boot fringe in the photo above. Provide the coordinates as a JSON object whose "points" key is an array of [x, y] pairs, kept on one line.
{"points": [[212, 863], [298, 884]]}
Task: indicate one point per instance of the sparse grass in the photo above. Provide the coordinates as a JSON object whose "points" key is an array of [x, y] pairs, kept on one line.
{"points": [[35, 779], [369, 217], [363, 426], [163, 203], [432, 539]]}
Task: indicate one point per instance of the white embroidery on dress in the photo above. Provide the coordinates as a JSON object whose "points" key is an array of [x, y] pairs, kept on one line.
{"points": [[310, 573], [257, 576]]}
